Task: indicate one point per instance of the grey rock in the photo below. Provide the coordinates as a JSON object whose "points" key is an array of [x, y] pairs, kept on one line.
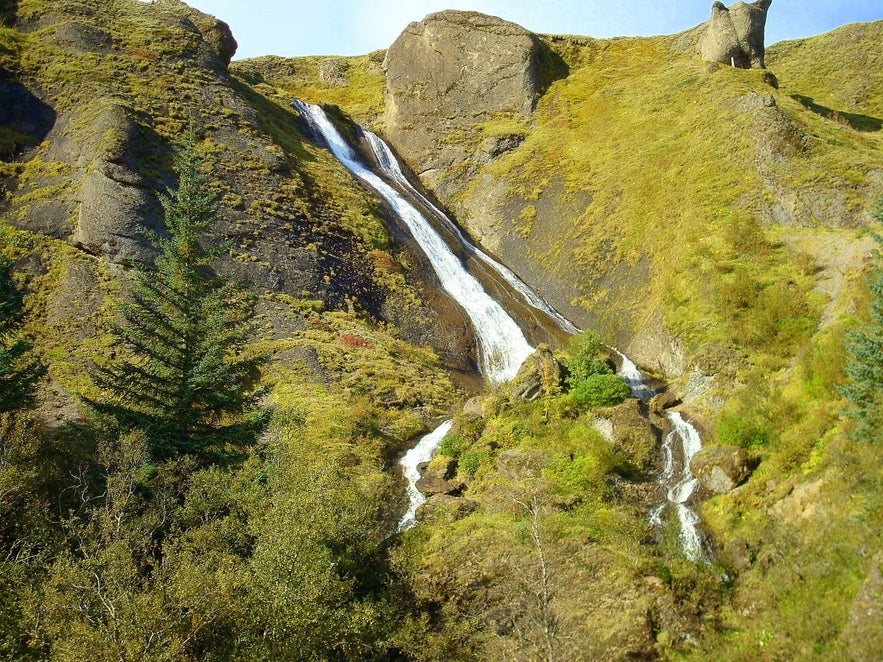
{"points": [[82, 37], [735, 36], [721, 468], [215, 32], [115, 208], [435, 485], [332, 72], [539, 373], [450, 72], [518, 464], [473, 410]]}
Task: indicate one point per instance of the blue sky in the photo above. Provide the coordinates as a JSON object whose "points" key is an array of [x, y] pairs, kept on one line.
{"points": [[347, 27]]}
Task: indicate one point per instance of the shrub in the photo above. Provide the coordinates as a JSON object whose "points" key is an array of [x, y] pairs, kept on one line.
{"points": [[469, 462], [452, 445], [600, 391], [586, 359]]}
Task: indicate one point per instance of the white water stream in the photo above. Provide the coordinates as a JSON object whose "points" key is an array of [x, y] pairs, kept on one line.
{"points": [[502, 345], [679, 446], [422, 452]]}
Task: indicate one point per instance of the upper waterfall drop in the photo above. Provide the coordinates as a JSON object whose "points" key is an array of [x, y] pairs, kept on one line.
{"points": [[390, 166], [502, 345]]}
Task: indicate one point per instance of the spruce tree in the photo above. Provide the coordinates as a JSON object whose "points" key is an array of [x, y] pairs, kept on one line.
{"points": [[182, 374], [18, 371], [864, 367]]}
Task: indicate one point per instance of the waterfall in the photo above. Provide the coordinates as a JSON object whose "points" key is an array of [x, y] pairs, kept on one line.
{"points": [[678, 447], [422, 452], [681, 482], [502, 345], [389, 165]]}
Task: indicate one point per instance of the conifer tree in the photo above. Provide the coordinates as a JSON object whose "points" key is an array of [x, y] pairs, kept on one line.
{"points": [[864, 367], [182, 374], [18, 372]]}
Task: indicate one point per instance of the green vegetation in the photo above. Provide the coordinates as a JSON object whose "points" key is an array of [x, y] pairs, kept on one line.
{"points": [[19, 372], [355, 84], [865, 365], [591, 380], [190, 527], [182, 375]]}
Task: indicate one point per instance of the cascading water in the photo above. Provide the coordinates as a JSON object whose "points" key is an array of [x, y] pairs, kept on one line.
{"points": [[679, 446], [502, 345], [422, 452], [389, 165]]}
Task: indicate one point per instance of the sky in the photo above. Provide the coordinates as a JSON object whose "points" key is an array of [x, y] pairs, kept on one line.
{"points": [[355, 27]]}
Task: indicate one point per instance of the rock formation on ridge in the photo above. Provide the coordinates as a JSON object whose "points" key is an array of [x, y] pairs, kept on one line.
{"points": [[735, 36], [460, 68]]}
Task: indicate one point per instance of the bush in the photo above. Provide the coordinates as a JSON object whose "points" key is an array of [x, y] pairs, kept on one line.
{"points": [[600, 391], [469, 462], [586, 359], [452, 445]]}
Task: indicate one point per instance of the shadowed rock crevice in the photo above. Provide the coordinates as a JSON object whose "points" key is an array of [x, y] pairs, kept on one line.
{"points": [[26, 120]]}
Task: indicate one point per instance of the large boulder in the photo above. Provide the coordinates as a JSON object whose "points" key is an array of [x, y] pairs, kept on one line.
{"points": [[451, 72], [116, 204], [735, 36], [215, 32], [721, 468], [539, 375], [444, 508]]}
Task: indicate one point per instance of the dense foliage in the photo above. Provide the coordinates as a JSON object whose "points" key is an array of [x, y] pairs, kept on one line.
{"points": [[18, 370], [591, 380]]}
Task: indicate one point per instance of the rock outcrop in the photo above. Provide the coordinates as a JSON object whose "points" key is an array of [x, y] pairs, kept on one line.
{"points": [[735, 36], [444, 508], [115, 203], [538, 375], [454, 70], [215, 32], [721, 468]]}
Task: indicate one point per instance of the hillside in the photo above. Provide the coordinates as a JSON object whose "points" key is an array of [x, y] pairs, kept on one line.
{"points": [[712, 222]]}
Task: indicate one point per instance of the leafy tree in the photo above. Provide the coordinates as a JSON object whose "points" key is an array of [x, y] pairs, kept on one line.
{"points": [[18, 372], [182, 373], [864, 367]]}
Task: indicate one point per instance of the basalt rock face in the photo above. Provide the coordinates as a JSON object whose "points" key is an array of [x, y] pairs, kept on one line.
{"points": [[735, 36], [452, 71]]}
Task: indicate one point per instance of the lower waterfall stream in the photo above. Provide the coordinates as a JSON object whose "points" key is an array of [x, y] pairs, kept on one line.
{"points": [[502, 344], [679, 446]]}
